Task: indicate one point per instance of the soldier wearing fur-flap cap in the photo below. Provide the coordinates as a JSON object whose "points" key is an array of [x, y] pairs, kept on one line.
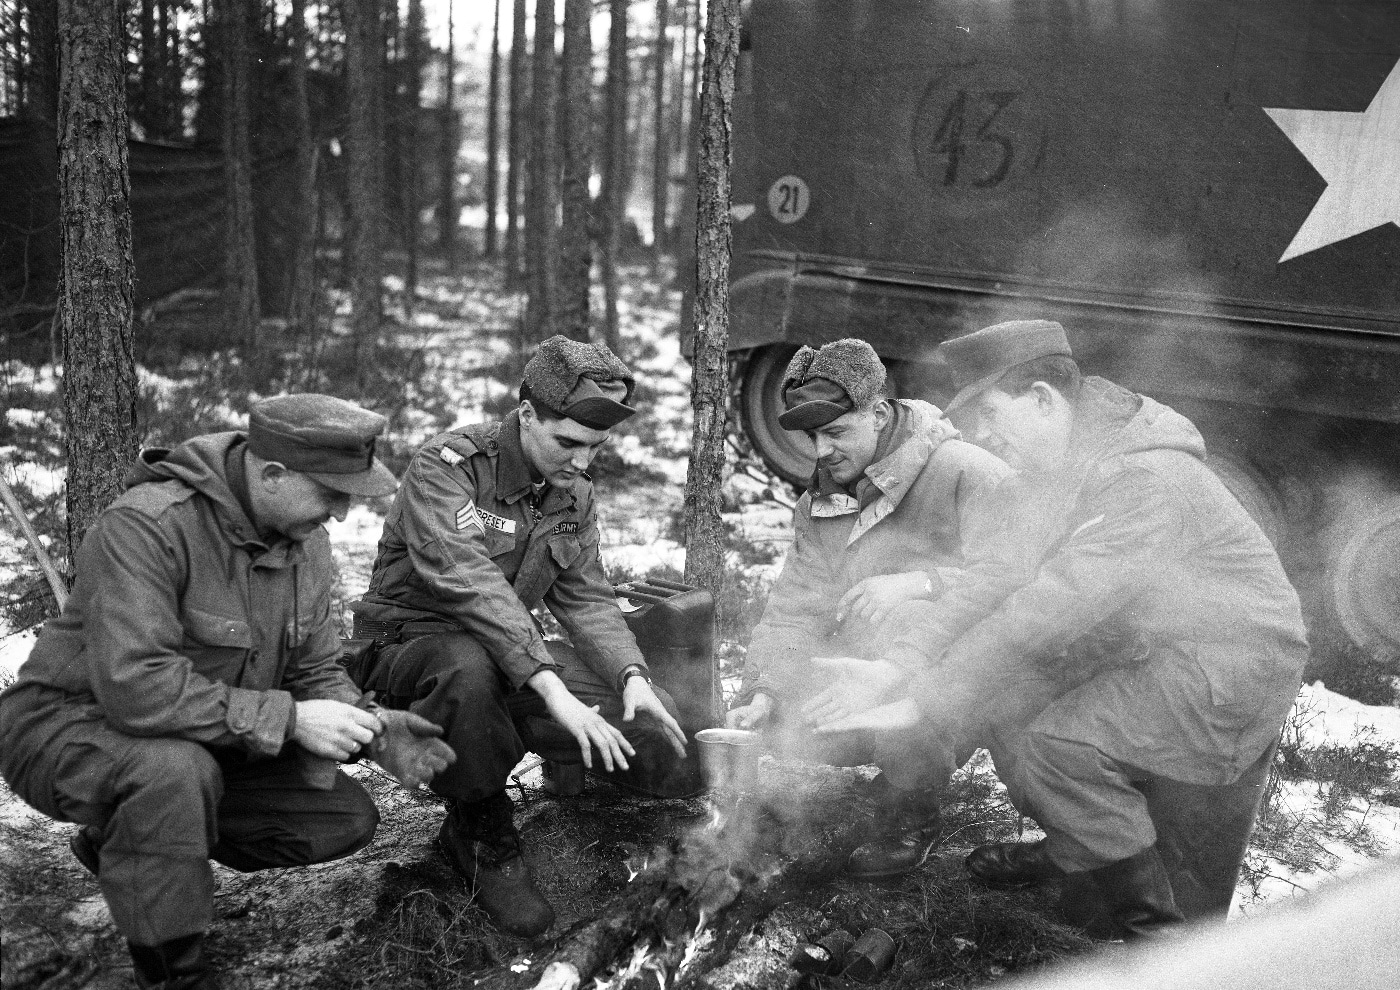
{"points": [[1131, 632], [580, 381], [189, 702], [490, 521], [821, 385], [896, 500]]}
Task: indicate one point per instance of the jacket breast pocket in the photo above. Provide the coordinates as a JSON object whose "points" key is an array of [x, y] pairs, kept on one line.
{"points": [[499, 544], [565, 549], [212, 629]]}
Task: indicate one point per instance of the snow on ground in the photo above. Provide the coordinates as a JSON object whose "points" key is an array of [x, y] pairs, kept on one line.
{"points": [[464, 333]]}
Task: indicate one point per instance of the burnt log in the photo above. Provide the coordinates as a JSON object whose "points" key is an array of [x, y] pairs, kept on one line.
{"points": [[695, 899]]}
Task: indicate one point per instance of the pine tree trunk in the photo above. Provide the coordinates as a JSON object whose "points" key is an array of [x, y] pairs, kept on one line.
{"points": [[493, 138], [447, 162], [661, 148], [515, 143], [301, 306], [364, 70], [612, 207], [413, 69], [209, 113], [95, 286], [704, 529], [171, 74], [576, 126], [241, 304], [541, 193]]}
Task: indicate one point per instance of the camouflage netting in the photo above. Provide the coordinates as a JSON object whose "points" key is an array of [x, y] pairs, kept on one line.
{"points": [[177, 207]]}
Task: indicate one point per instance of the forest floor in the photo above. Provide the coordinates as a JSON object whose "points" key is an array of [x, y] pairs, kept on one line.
{"points": [[394, 913]]}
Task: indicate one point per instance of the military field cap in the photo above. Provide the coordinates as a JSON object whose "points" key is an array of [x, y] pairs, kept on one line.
{"points": [[582, 381], [824, 384], [329, 439], [979, 359]]}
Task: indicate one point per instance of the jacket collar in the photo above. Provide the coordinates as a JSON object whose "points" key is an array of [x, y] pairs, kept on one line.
{"points": [[916, 432], [513, 480]]}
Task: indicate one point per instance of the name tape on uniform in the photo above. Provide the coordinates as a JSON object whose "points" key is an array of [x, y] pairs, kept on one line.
{"points": [[499, 523]]}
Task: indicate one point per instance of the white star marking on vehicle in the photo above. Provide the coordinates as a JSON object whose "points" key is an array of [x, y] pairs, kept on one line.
{"points": [[1359, 156]]}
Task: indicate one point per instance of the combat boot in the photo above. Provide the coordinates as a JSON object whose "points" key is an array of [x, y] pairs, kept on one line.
{"points": [[908, 825], [1138, 893], [480, 841], [1012, 864], [178, 964]]}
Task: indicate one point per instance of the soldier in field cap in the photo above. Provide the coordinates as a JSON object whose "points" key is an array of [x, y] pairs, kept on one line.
{"points": [[1131, 633], [492, 520], [189, 702], [895, 499]]}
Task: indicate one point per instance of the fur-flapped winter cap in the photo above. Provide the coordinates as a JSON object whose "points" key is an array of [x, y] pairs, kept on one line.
{"points": [[824, 384], [581, 381], [979, 359]]}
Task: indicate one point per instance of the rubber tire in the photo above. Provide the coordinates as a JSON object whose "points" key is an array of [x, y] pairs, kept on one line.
{"points": [[788, 454]]}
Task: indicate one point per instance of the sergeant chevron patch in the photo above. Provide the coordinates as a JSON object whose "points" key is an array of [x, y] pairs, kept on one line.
{"points": [[468, 516]]}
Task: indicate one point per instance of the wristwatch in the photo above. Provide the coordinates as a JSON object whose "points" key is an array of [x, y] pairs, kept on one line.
{"points": [[634, 670]]}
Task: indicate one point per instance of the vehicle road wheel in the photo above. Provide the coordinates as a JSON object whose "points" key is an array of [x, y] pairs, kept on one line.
{"points": [[788, 454]]}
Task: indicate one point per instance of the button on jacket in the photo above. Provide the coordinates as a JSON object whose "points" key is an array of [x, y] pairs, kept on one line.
{"points": [[465, 544]]}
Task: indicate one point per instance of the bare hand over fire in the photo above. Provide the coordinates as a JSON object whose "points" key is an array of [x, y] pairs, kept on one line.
{"points": [[901, 714], [754, 715], [583, 722], [637, 696], [854, 686]]}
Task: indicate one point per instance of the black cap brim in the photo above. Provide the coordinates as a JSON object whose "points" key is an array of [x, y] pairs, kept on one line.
{"points": [[813, 414], [597, 412]]}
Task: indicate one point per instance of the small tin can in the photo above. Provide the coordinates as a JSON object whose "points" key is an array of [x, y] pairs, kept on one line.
{"points": [[870, 956]]}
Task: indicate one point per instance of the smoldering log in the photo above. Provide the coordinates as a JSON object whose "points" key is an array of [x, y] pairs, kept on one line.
{"points": [[686, 912]]}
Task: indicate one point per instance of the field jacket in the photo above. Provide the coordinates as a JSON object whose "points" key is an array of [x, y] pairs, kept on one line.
{"points": [[918, 507], [183, 622], [463, 545], [1132, 557]]}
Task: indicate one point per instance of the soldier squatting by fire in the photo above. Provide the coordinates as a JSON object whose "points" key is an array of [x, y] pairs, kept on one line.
{"points": [[1049, 571]]}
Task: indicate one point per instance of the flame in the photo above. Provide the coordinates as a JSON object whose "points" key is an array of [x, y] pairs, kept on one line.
{"points": [[640, 953], [717, 818]]}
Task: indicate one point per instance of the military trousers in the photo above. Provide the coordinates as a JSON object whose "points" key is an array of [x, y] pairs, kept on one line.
{"points": [[166, 806], [450, 679]]}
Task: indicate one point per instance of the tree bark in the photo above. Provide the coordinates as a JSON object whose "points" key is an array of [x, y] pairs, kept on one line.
{"points": [[515, 143], [301, 306], [413, 69], [612, 205], [240, 304], [364, 70], [541, 193], [661, 147], [576, 118], [493, 140], [704, 529], [447, 164], [95, 286]]}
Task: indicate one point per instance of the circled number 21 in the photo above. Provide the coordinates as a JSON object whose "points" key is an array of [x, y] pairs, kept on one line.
{"points": [[788, 199]]}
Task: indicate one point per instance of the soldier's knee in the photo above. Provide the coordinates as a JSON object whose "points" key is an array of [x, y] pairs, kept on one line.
{"points": [[175, 766], [453, 661], [353, 826]]}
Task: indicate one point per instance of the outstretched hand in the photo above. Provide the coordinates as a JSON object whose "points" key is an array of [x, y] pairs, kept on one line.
{"points": [[854, 686], [637, 696], [410, 749], [902, 714], [754, 715]]}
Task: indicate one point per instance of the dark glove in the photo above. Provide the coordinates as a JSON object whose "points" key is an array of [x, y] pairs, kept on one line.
{"points": [[409, 748]]}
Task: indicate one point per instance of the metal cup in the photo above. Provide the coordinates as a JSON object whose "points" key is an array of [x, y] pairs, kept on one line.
{"points": [[728, 759], [870, 956]]}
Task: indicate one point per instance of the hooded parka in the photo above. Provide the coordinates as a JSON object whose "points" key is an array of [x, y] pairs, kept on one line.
{"points": [[1134, 601], [169, 682]]}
